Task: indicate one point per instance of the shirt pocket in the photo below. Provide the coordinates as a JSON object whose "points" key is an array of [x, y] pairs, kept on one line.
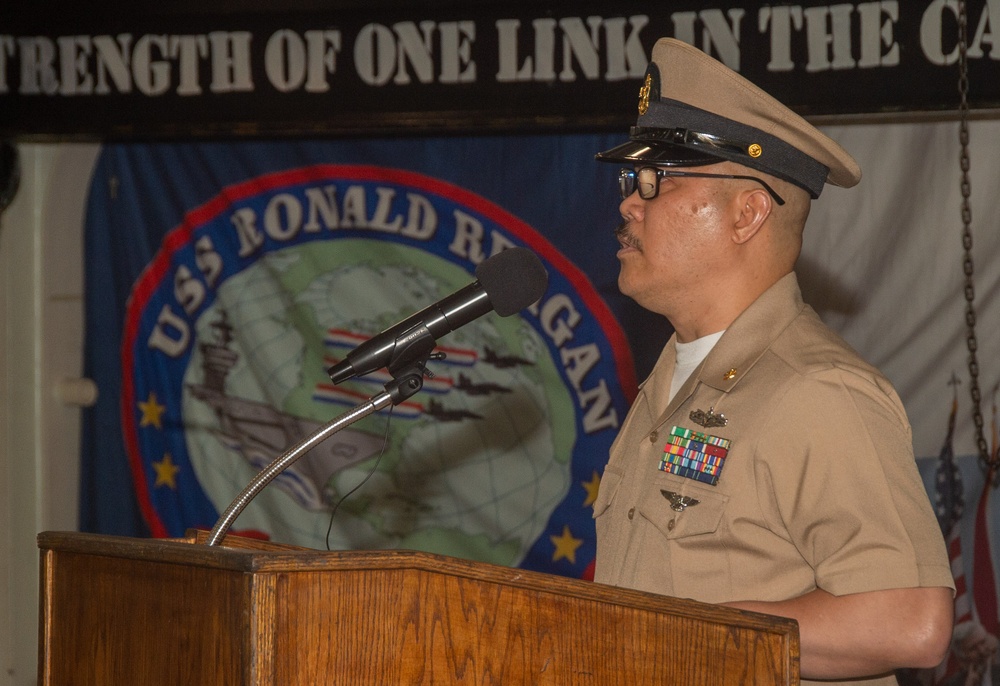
{"points": [[663, 506], [610, 482]]}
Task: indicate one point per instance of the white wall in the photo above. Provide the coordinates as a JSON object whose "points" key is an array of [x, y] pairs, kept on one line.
{"points": [[41, 343]]}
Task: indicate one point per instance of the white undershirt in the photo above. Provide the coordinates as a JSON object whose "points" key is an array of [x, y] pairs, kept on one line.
{"points": [[689, 356]]}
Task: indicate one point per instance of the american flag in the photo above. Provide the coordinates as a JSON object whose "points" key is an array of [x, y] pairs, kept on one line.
{"points": [[979, 607], [983, 576], [949, 505]]}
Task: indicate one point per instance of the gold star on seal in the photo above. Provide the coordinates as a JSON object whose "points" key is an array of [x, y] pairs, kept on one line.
{"points": [[591, 488], [166, 472], [152, 412]]}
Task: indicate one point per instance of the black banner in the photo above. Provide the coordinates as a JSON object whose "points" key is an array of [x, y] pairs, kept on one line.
{"points": [[484, 66]]}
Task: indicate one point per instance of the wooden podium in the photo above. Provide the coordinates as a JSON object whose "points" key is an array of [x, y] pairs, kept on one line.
{"points": [[143, 611]]}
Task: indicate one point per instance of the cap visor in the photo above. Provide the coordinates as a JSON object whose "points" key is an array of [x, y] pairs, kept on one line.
{"points": [[660, 154]]}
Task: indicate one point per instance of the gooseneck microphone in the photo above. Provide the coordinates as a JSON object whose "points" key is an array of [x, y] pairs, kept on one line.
{"points": [[507, 283]]}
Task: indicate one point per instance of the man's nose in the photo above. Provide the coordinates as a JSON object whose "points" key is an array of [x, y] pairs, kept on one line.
{"points": [[632, 207]]}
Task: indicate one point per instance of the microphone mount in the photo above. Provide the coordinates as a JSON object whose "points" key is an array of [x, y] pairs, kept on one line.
{"points": [[413, 347]]}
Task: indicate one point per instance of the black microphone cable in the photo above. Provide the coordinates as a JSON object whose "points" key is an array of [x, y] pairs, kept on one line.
{"points": [[385, 443]]}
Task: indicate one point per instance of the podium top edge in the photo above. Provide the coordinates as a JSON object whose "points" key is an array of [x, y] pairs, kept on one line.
{"points": [[261, 557]]}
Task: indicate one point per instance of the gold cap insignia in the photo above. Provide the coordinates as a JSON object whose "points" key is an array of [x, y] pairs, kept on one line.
{"points": [[644, 94], [755, 150], [729, 375]]}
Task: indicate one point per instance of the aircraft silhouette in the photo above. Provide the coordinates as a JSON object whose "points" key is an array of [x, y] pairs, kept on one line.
{"points": [[438, 411], [503, 361], [466, 385]]}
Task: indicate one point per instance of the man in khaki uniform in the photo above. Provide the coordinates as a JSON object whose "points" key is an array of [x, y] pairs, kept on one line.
{"points": [[764, 464]]}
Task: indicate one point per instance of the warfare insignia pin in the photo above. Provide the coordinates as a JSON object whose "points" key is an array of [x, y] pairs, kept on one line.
{"points": [[694, 455], [678, 502], [708, 419]]}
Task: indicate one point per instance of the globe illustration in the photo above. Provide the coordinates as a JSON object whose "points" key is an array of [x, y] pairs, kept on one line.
{"points": [[472, 466]]}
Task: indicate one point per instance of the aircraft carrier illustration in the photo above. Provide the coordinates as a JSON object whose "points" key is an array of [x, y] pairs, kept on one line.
{"points": [[260, 433]]}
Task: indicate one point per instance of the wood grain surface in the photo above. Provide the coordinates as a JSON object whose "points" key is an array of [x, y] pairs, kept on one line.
{"points": [[122, 611]]}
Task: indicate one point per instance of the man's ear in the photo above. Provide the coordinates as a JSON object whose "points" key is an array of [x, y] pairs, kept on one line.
{"points": [[754, 209]]}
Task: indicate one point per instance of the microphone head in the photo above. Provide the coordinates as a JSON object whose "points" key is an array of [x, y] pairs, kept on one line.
{"points": [[513, 279]]}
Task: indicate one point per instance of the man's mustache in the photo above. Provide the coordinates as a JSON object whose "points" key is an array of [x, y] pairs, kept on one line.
{"points": [[624, 235]]}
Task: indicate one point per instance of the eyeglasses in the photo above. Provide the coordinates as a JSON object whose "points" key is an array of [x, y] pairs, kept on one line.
{"points": [[647, 180]]}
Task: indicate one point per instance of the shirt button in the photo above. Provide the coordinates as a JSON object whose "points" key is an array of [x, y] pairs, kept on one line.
{"points": [[652, 437], [671, 524], [631, 513]]}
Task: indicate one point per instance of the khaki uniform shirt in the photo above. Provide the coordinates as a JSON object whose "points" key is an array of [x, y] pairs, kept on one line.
{"points": [[819, 488]]}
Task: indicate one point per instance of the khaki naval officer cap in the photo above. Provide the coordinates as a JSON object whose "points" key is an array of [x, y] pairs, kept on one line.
{"points": [[693, 110]]}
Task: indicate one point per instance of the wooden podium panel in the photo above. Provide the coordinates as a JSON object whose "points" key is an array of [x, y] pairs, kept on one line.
{"points": [[142, 611]]}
